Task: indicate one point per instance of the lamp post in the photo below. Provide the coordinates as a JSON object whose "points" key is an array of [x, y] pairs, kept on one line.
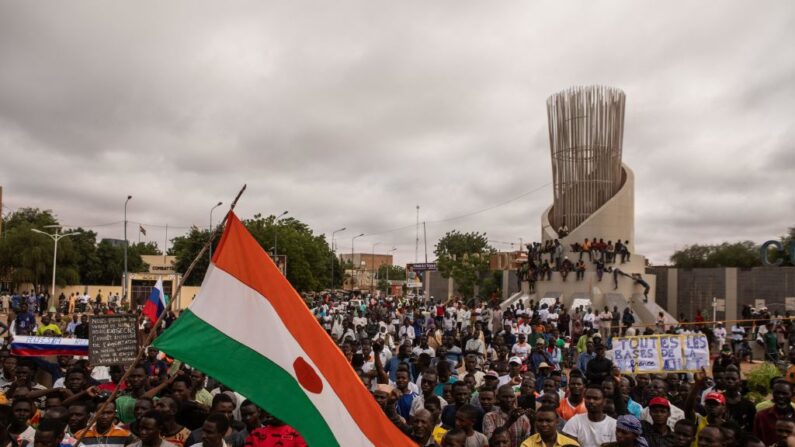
{"points": [[276, 235], [55, 237], [353, 266], [372, 261], [333, 233], [124, 287], [211, 228], [388, 268]]}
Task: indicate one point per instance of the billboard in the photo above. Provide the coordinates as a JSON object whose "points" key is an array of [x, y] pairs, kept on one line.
{"points": [[415, 273]]}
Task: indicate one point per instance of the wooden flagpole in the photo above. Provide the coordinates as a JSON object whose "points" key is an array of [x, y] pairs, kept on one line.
{"points": [[153, 331]]}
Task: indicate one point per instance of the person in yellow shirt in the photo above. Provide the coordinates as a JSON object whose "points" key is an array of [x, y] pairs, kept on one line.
{"points": [[434, 406], [48, 328], [547, 432]]}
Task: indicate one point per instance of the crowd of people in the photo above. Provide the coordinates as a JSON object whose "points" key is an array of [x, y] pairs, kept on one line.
{"points": [[602, 257], [446, 374], [540, 375]]}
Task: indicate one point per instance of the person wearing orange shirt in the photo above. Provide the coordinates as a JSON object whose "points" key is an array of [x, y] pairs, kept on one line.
{"points": [[574, 403]]}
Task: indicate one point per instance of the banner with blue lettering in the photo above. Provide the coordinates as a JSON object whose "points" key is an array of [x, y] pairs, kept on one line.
{"points": [[661, 353]]}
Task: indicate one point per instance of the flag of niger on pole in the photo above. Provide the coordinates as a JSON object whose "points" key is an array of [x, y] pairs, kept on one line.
{"points": [[251, 330]]}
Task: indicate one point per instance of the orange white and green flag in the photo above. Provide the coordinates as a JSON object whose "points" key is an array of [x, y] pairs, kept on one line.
{"points": [[249, 329]]}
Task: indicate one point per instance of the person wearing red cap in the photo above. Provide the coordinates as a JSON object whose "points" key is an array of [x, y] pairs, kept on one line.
{"points": [[714, 406], [659, 388], [657, 432]]}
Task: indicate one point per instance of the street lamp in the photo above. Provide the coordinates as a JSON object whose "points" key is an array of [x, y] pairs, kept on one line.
{"points": [[124, 288], [276, 235], [332, 256], [55, 237], [211, 227], [372, 261], [388, 268], [353, 265]]}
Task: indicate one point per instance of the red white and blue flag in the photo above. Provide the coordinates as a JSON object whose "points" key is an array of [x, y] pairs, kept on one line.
{"points": [[156, 303], [30, 346]]}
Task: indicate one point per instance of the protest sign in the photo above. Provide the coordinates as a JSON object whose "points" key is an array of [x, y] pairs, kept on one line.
{"points": [[696, 352], [112, 340], [661, 353]]}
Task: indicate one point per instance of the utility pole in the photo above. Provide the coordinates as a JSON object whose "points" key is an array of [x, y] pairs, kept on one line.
{"points": [[353, 265], [425, 241], [124, 288], [417, 238], [372, 268], [332, 257], [55, 238]]}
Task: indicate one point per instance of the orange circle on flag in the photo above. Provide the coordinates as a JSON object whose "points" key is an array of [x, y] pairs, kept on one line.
{"points": [[307, 376]]}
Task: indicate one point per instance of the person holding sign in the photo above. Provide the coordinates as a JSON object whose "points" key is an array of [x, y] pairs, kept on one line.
{"points": [[599, 368], [593, 428]]}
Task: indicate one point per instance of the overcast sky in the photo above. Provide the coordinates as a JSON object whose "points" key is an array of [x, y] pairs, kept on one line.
{"points": [[349, 114]]}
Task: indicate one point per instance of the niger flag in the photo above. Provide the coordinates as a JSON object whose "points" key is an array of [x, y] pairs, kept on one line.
{"points": [[249, 329]]}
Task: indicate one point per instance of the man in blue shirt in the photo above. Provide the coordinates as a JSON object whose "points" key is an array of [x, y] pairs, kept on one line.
{"points": [[25, 321], [403, 357], [585, 357]]}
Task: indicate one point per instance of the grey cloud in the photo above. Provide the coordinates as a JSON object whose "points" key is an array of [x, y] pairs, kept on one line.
{"points": [[351, 113]]}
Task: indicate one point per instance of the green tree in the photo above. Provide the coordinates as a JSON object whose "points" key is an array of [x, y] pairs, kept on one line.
{"points": [[737, 254], [186, 248], [492, 284], [110, 268], [26, 256], [308, 255], [144, 248], [85, 248], [465, 258]]}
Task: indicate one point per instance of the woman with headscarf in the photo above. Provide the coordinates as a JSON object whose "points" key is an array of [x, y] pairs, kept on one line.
{"points": [[629, 433]]}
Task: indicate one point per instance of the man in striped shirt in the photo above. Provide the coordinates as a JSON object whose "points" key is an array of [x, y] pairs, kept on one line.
{"points": [[104, 433]]}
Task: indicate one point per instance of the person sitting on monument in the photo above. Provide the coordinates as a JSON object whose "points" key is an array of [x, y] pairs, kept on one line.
{"points": [[586, 248], [565, 267], [598, 249], [619, 249], [625, 252], [563, 230], [545, 270], [610, 252], [579, 269]]}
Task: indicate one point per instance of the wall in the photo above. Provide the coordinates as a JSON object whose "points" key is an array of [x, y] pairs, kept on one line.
{"points": [[694, 288], [771, 284]]}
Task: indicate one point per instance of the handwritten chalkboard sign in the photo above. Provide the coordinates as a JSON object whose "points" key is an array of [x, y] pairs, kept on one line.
{"points": [[112, 340]]}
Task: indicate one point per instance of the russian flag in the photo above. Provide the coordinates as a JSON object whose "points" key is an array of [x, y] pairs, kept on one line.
{"points": [[31, 346], [156, 303]]}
